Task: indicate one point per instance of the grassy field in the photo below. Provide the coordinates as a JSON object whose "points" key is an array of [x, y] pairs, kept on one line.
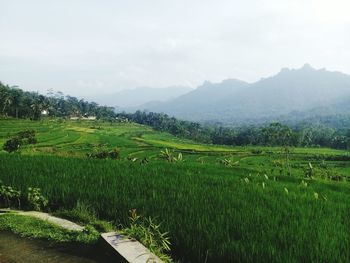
{"points": [[248, 210]]}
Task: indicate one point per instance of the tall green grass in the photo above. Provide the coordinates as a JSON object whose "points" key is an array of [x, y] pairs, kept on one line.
{"points": [[212, 213]]}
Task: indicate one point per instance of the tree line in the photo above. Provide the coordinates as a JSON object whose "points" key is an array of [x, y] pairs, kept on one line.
{"points": [[17, 103], [273, 134]]}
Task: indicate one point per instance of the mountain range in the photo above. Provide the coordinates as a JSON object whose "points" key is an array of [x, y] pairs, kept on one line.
{"points": [[292, 92]]}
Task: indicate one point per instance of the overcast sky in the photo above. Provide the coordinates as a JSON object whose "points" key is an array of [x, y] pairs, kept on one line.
{"points": [[84, 47]]}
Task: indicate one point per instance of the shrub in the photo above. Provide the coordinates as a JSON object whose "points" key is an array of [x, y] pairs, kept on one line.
{"points": [[27, 137], [26, 134], [32, 140], [148, 233], [114, 154], [256, 151], [228, 162], [21, 138], [12, 145], [168, 155], [9, 195], [36, 200]]}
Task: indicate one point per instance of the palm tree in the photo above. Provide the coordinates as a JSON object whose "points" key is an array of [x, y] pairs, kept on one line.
{"points": [[7, 103], [37, 107], [16, 99]]}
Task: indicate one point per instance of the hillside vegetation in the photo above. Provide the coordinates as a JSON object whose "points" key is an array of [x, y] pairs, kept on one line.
{"points": [[273, 134], [219, 203]]}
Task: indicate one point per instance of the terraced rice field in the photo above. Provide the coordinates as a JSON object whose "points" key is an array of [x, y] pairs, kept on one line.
{"points": [[248, 210]]}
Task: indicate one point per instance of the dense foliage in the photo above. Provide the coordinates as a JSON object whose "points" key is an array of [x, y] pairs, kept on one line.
{"points": [[17, 103], [274, 134]]}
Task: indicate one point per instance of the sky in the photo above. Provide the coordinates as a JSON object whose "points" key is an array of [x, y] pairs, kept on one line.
{"points": [[84, 47]]}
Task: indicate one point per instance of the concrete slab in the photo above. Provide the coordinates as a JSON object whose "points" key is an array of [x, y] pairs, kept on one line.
{"points": [[131, 250]]}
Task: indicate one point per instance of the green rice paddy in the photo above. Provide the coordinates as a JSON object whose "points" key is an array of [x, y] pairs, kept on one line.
{"points": [[248, 211]]}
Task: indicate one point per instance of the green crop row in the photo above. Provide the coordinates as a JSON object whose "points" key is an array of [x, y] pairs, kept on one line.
{"points": [[217, 213], [219, 203]]}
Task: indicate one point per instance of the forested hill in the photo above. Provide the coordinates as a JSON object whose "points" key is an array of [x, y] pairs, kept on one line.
{"points": [[17, 103], [273, 134]]}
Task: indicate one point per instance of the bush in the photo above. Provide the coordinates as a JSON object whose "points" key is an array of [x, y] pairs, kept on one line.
{"points": [[27, 137], [26, 134], [114, 154], [21, 138], [36, 200], [9, 196], [149, 234], [168, 155], [256, 151], [12, 145]]}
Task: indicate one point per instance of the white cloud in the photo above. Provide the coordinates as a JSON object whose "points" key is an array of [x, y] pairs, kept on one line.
{"points": [[83, 47]]}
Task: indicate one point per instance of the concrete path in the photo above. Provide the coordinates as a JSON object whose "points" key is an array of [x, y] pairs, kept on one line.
{"points": [[66, 224], [54, 220], [130, 249]]}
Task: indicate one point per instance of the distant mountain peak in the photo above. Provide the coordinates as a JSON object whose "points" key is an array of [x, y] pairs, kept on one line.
{"points": [[307, 66], [306, 69], [227, 85], [284, 70]]}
